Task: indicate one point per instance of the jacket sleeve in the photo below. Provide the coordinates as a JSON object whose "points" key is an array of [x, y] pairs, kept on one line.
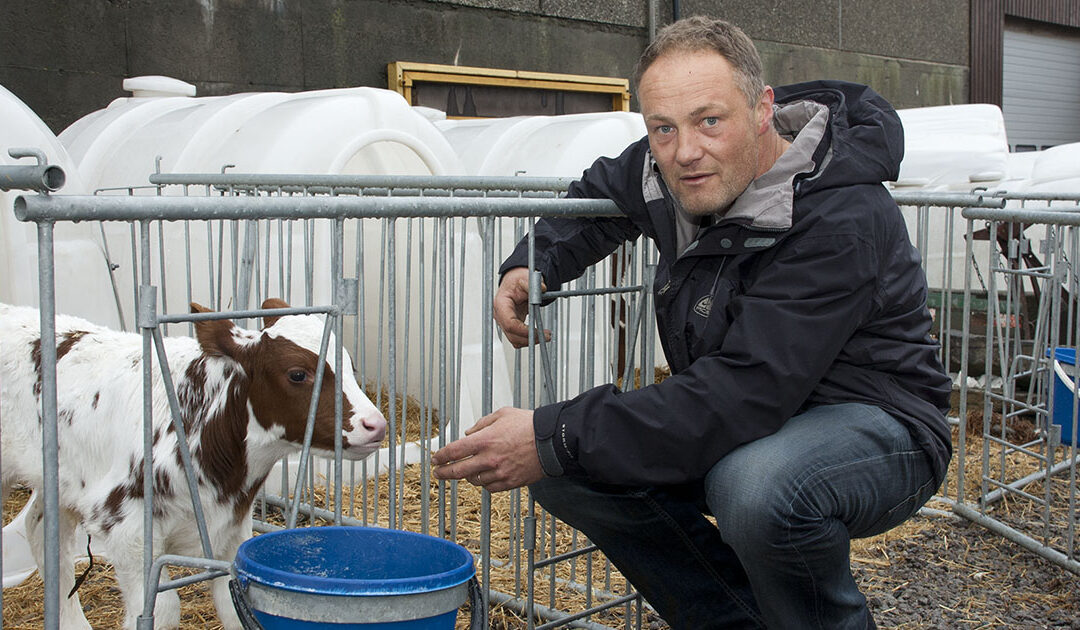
{"points": [[785, 332], [566, 247]]}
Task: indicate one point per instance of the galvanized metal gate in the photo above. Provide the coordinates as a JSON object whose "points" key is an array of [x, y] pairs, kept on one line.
{"points": [[405, 269]]}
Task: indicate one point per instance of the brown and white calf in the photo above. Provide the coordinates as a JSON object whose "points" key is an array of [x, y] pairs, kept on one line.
{"points": [[244, 397]]}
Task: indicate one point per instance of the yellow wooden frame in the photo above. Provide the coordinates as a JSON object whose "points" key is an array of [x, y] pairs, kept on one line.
{"points": [[402, 75]]}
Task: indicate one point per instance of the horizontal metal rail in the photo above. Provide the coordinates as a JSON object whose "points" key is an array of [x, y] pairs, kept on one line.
{"points": [[445, 182], [947, 200], [1062, 216], [40, 208], [1027, 542]]}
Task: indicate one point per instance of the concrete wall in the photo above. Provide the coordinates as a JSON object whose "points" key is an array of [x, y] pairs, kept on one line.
{"points": [[66, 59]]}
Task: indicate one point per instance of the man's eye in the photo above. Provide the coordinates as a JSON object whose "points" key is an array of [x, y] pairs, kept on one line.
{"points": [[297, 376], [711, 121], [665, 129]]}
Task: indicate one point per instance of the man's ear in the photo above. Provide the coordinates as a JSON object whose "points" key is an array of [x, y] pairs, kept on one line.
{"points": [[215, 335], [763, 111], [270, 320]]}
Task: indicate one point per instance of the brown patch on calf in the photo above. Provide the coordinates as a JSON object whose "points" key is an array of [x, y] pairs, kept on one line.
{"points": [[278, 400], [35, 355], [191, 394], [112, 508], [67, 342], [221, 449]]}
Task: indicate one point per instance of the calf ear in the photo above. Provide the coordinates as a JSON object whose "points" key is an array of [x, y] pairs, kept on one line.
{"points": [[270, 320], [216, 337], [199, 308]]}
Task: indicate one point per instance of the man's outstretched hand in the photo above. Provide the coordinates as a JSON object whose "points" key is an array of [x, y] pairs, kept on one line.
{"points": [[498, 453]]}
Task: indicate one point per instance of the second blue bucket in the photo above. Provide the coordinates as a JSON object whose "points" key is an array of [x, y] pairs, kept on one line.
{"points": [[1063, 394], [352, 578]]}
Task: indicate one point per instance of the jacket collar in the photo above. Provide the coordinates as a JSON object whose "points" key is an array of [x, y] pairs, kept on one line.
{"points": [[767, 202]]}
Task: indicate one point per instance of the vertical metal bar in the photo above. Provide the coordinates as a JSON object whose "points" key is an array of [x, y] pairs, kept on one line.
{"points": [[337, 274], [162, 277], [146, 312], [360, 329], [112, 267], [382, 391], [530, 608], [487, 348], [391, 355], [182, 444], [965, 347], [407, 284], [443, 294], [991, 314], [49, 444], [426, 373]]}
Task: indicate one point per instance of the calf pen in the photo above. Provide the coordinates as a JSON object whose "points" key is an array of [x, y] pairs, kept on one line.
{"points": [[405, 269]]}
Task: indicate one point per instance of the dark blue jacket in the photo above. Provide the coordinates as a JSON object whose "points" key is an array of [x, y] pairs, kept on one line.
{"points": [[759, 320]]}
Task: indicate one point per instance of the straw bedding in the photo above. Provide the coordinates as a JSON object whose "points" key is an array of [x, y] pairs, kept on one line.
{"points": [[931, 572]]}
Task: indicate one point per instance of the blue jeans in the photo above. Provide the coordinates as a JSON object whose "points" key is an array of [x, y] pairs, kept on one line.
{"points": [[786, 507]]}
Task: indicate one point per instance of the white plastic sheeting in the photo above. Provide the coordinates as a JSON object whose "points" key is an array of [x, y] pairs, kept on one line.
{"points": [[954, 147]]}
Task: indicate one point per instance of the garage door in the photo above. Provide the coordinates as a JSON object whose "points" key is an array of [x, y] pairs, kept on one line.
{"points": [[1041, 87]]}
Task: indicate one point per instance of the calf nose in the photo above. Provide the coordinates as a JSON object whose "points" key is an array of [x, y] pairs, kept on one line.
{"points": [[376, 423]]}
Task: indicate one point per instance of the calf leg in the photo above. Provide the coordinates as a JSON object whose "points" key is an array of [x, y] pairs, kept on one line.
{"points": [[225, 549], [71, 613], [130, 578], [125, 552]]}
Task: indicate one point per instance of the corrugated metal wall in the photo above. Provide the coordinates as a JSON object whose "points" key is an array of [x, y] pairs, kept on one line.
{"points": [[987, 26], [988, 32], [1041, 87], [1063, 12]]}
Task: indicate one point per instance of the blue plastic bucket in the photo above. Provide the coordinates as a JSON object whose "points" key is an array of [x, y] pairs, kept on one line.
{"points": [[1063, 394], [351, 578]]}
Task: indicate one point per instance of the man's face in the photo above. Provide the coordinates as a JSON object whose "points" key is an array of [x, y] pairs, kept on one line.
{"points": [[704, 136]]}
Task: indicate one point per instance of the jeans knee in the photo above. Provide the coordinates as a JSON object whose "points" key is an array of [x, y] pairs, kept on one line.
{"points": [[750, 510]]}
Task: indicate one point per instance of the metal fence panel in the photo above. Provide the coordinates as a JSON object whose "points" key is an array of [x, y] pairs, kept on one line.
{"points": [[405, 269]]}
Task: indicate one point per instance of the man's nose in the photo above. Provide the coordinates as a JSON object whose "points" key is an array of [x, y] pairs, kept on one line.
{"points": [[688, 150]]}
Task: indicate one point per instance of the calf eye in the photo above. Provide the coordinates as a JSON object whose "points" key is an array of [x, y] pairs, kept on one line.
{"points": [[297, 376]]}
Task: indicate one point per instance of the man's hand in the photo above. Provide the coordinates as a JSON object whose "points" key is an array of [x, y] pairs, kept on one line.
{"points": [[511, 306], [498, 453]]}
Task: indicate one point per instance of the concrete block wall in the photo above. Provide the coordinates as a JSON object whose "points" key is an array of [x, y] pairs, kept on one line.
{"points": [[66, 59]]}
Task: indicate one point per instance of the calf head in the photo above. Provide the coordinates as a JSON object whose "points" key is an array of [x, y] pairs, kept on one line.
{"points": [[281, 363]]}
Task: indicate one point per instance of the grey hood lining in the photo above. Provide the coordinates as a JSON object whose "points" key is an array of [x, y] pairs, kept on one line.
{"points": [[767, 202]]}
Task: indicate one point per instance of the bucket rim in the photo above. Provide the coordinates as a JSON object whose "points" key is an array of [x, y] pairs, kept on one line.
{"points": [[1063, 353], [248, 569]]}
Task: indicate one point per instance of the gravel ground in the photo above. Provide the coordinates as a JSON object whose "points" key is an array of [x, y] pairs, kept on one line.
{"points": [[945, 573]]}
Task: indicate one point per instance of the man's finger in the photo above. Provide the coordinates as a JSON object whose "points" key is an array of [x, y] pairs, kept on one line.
{"points": [[486, 421], [455, 451]]}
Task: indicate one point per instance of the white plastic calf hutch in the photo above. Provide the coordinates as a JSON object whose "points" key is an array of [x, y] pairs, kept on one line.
{"points": [[164, 129], [77, 246]]}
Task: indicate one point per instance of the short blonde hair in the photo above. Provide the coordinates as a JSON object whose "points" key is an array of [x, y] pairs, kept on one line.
{"points": [[699, 33]]}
